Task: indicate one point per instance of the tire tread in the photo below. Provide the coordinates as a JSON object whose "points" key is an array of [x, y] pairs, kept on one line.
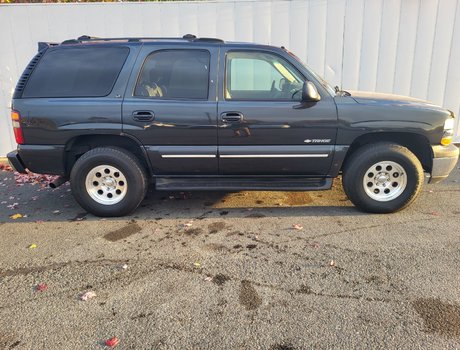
{"points": [[359, 157], [126, 158]]}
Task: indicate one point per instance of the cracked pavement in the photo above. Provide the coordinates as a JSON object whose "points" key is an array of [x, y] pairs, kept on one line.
{"points": [[223, 270]]}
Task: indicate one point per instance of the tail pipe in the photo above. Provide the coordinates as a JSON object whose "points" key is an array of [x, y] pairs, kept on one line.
{"points": [[58, 182]]}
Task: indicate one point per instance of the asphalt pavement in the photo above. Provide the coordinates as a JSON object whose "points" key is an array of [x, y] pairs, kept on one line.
{"points": [[220, 270]]}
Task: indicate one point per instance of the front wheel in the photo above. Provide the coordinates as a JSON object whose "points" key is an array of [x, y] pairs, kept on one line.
{"points": [[108, 182], [382, 178]]}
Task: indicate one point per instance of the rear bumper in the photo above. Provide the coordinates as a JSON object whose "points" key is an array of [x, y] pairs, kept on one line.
{"points": [[41, 159], [16, 162], [444, 160]]}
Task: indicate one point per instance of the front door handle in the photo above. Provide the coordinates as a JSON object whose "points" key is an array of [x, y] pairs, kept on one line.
{"points": [[143, 116], [232, 117]]}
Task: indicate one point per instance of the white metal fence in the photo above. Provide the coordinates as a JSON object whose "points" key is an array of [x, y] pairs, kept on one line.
{"points": [[408, 47]]}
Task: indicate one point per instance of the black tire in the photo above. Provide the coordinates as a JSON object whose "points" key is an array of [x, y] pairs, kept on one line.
{"points": [[357, 166], [128, 165]]}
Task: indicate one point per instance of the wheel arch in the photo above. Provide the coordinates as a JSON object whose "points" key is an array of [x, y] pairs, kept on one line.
{"points": [[416, 143], [79, 145]]}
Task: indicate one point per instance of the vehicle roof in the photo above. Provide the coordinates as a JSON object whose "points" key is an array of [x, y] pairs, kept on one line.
{"points": [[186, 39]]}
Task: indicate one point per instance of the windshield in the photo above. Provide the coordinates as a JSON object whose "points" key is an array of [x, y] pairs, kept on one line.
{"points": [[323, 82]]}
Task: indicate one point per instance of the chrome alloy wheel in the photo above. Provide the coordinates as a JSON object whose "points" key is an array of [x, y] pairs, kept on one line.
{"points": [[385, 181], [106, 184]]}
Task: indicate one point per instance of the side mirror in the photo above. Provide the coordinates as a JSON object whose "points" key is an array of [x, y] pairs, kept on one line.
{"points": [[309, 92]]}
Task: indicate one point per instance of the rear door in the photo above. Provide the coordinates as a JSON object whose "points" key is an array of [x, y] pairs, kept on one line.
{"points": [[264, 129], [170, 107]]}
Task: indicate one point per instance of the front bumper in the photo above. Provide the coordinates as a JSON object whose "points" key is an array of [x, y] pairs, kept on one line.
{"points": [[444, 160], [16, 162]]}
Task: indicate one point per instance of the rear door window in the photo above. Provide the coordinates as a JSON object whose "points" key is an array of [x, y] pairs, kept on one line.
{"points": [[77, 72], [174, 74]]}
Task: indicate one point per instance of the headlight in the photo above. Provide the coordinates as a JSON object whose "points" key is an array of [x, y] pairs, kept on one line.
{"points": [[448, 132], [449, 124]]}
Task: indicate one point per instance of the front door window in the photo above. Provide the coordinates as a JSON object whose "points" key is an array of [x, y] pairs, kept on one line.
{"points": [[261, 76]]}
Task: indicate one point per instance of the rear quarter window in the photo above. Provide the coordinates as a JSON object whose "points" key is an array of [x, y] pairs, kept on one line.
{"points": [[76, 72]]}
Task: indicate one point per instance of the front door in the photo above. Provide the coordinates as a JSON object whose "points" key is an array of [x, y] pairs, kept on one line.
{"points": [[263, 127], [170, 107]]}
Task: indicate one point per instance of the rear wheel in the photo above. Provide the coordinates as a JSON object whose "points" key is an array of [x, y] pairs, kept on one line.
{"points": [[108, 182], [382, 178]]}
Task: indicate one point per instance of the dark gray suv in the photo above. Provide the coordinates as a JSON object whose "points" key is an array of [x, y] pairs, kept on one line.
{"points": [[112, 115]]}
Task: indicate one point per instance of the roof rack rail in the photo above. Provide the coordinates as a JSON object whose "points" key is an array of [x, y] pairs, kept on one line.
{"points": [[192, 37], [187, 37], [70, 41], [44, 45], [87, 37], [209, 40], [96, 38]]}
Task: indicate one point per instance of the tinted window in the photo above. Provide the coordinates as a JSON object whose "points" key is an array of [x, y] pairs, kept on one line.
{"points": [[76, 72], [261, 76], [175, 74]]}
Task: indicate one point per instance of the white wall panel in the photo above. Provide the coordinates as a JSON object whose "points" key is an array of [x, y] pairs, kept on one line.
{"points": [[388, 45], [7, 76], [207, 20], [262, 22], [226, 20], [423, 48], [441, 49], [409, 47], [408, 20], [299, 18], [188, 15], [170, 20], [243, 21], [370, 45], [316, 35], [353, 26], [452, 88], [280, 24], [333, 59]]}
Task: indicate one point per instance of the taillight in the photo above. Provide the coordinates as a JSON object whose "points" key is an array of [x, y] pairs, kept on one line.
{"points": [[16, 119]]}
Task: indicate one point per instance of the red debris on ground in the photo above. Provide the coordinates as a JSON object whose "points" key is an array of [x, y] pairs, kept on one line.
{"points": [[34, 179], [41, 287], [112, 342], [5, 167], [29, 178]]}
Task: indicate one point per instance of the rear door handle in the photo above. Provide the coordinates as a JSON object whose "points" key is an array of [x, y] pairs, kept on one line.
{"points": [[143, 116], [232, 117]]}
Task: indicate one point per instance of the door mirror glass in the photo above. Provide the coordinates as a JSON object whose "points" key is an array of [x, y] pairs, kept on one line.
{"points": [[309, 92]]}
